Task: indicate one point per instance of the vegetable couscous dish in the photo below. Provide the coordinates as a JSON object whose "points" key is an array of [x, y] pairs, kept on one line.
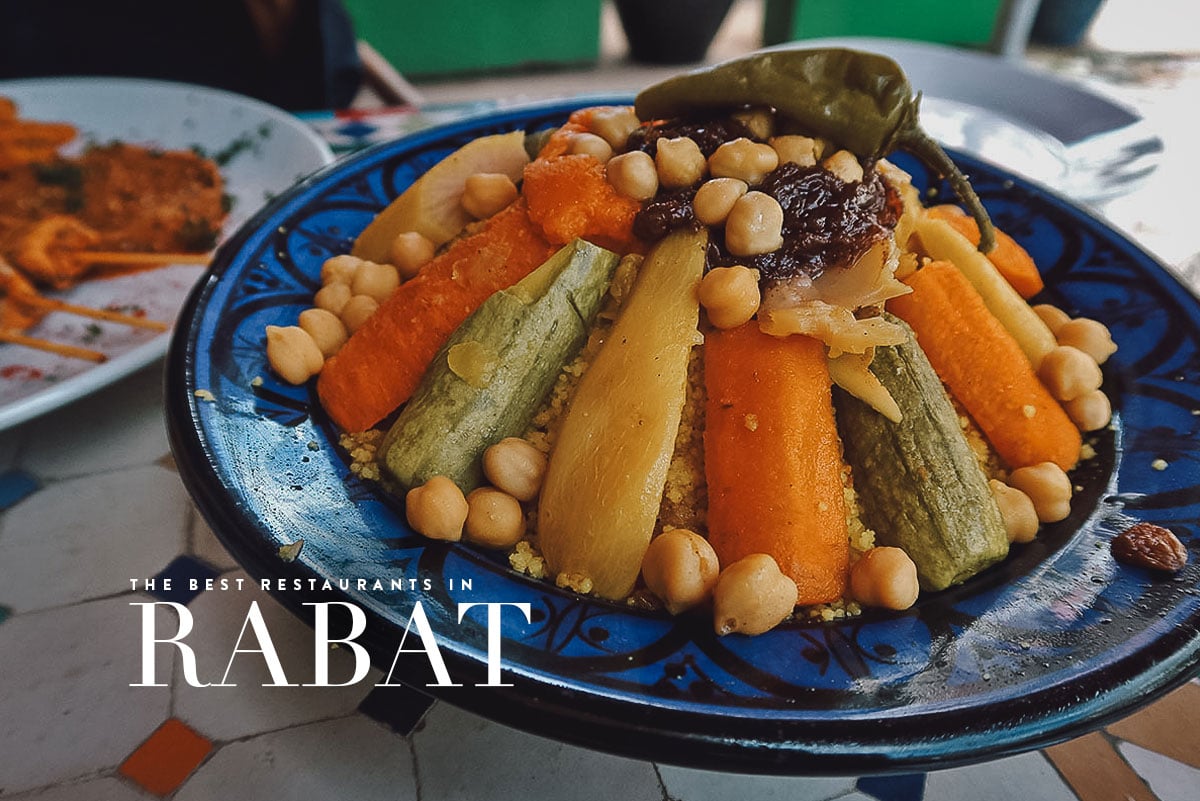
{"points": [[710, 353]]}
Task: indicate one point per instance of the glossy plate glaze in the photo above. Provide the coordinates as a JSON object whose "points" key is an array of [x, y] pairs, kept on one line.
{"points": [[261, 150], [1055, 641]]}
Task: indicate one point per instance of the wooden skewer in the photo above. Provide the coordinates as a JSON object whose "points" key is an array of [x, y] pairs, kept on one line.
{"points": [[52, 304], [117, 257], [53, 347]]}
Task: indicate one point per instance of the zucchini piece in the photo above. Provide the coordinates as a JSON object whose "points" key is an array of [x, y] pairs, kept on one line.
{"points": [[919, 484], [487, 381], [604, 483]]}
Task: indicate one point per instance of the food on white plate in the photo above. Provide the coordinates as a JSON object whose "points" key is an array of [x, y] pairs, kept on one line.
{"points": [[115, 207]]}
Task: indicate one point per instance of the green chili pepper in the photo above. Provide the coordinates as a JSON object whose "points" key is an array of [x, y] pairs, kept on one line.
{"points": [[860, 100]]}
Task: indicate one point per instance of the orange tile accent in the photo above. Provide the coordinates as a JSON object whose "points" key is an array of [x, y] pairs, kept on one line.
{"points": [[1096, 772], [1167, 726], [167, 757]]}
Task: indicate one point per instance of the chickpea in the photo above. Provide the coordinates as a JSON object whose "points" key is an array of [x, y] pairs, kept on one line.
{"points": [[357, 311], [409, 252], [681, 568], [486, 193], [1052, 316], [339, 269], [516, 467], [437, 509], [589, 144], [293, 354], [1016, 510], [679, 161], [326, 330], [758, 121], [885, 577], [754, 225], [614, 124], [377, 280], [633, 175], [1069, 373], [796, 149], [1091, 411], [1047, 486], [1090, 336], [741, 158], [752, 596], [844, 165], [333, 297], [730, 295], [494, 518], [715, 198]]}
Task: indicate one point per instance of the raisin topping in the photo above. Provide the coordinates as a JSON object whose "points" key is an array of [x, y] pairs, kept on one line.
{"points": [[1150, 546], [827, 223]]}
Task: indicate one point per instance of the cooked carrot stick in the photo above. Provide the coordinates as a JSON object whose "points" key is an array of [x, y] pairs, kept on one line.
{"points": [[1012, 260], [381, 364], [985, 370], [773, 459]]}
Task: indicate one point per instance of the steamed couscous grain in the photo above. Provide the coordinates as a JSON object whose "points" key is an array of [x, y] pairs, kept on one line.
{"points": [[363, 448]]}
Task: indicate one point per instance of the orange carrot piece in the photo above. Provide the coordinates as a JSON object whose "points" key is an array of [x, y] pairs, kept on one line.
{"points": [[984, 369], [1010, 259], [773, 459], [569, 196], [381, 364]]}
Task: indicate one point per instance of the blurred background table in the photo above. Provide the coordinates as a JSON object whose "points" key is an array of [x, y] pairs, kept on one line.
{"points": [[91, 499]]}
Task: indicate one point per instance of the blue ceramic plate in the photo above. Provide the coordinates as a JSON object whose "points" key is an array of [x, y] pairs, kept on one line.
{"points": [[1057, 640]]}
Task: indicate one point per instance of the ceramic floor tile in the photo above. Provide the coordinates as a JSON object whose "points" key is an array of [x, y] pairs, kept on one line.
{"points": [[107, 789], [70, 542], [168, 756], [16, 486], [892, 787], [1167, 726], [684, 784], [1170, 780], [518, 765], [1027, 777], [227, 713], [203, 544], [1096, 772], [119, 426], [350, 757], [66, 708]]}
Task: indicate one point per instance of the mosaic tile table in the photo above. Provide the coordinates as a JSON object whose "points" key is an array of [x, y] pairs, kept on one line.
{"points": [[90, 499]]}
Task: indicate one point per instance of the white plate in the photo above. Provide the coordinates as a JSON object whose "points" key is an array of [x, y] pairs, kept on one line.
{"points": [[270, 150], [1074, 141]]}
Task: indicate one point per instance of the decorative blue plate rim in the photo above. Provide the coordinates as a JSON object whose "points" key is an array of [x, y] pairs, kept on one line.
{"points": [[1058, 640]]}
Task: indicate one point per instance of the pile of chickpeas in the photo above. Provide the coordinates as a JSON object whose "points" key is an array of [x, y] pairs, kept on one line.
{"points": [[489, 516]]}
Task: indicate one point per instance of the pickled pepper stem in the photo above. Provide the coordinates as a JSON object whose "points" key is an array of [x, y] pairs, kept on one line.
{"points": [[930, 152]]}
